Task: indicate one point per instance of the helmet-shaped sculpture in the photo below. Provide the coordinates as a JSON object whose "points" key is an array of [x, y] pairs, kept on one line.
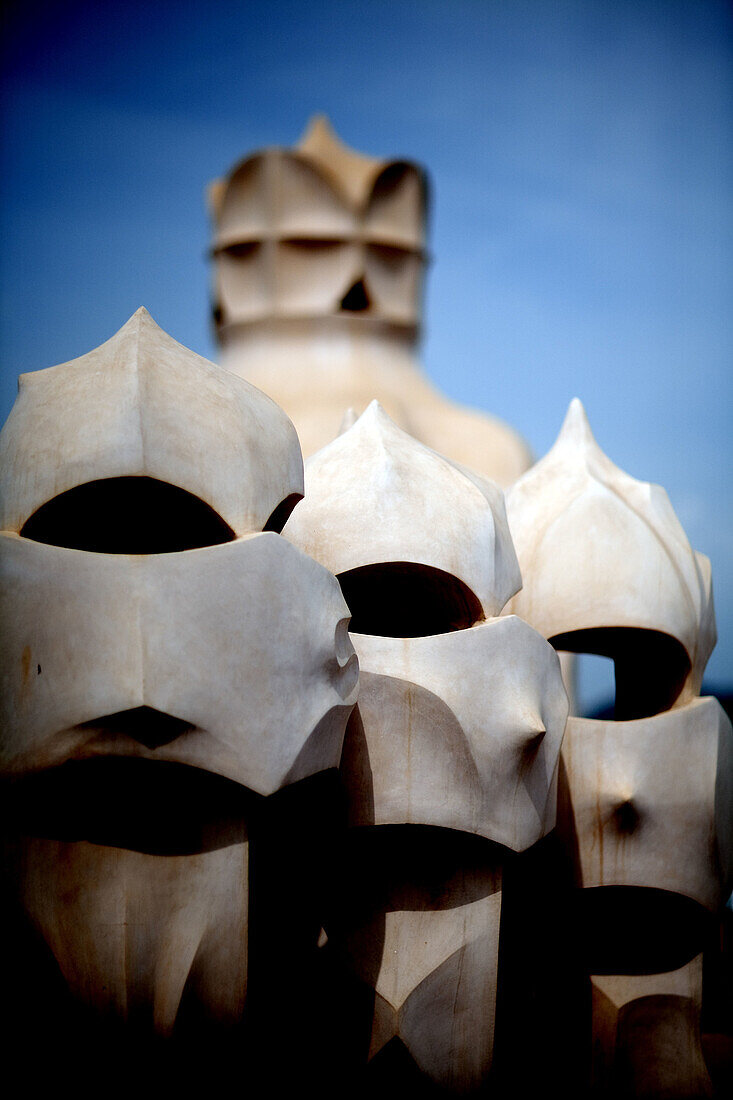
{"points": [[319, 255]]}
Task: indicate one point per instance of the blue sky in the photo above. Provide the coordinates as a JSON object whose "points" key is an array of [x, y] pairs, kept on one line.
{"points": [[582, 169]]}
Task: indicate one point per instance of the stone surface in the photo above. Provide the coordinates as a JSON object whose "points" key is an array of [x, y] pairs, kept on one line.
{"points": [[176, 685], [376, 495], [243, 647], [650, 803], [143, 406], [460, 730], [602, 554], [438, 1002], [646, 1035], [450, 758], [131, 932]]}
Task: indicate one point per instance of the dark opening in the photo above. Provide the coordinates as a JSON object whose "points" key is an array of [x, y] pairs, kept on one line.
{"points": [[638, 930], [281, 514], [650, 667], [402, 600], [150, 727], [241, 250], [393, 1072], [127, 515], [416, 867], [128, 802], [356, 299]]}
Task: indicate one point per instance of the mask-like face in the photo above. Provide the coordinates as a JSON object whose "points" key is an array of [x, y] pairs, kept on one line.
{"points": [[194, 658], [452, 751], [645, 811], [169, 668], [646, 808], [644, 801], [308, 234]]}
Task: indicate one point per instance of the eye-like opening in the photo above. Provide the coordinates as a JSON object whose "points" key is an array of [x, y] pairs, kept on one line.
{"points": [[401, 599], [314, 244], [391, 254], [650, 667], [127, 515], [418, 867], [242, 250]]}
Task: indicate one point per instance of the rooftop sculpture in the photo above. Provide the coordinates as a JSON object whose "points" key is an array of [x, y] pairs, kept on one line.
{"points": [[319, 257], [289, 786]]}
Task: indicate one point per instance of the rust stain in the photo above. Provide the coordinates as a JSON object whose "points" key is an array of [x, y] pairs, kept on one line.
{"points": [[599, 821], [25, 662]]}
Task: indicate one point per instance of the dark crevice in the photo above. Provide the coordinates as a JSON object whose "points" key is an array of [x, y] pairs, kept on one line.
{"points": [[281, 513], [127, 515], [404, 600]]}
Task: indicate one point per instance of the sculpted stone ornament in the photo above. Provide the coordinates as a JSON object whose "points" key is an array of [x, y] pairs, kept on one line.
{"points": [[171, 717], [650, 802], [209, 453], [647, 1034], [646, 809], [450, 757], [645, 803], [193, 658], [608, 569], [319, 255], [378, 498]]}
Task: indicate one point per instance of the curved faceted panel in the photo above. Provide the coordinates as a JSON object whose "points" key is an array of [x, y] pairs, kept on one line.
{"points": [[376, 496], [601, 552], [143, 406]]}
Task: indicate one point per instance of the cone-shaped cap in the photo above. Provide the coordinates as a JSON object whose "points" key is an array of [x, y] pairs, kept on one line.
{"points": [[376, 495], [143, 405], [598, 548], [320, 187], [353, 172]]}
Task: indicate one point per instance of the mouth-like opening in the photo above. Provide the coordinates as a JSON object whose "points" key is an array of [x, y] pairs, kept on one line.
{"points": [[356, 299], [651, 667], [151, 806], [127, 515], [419, 867], [147, 725], [638, 930], [406, 600]]}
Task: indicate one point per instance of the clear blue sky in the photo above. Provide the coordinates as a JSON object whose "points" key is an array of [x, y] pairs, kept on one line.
{"points": [[582, 170]]}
